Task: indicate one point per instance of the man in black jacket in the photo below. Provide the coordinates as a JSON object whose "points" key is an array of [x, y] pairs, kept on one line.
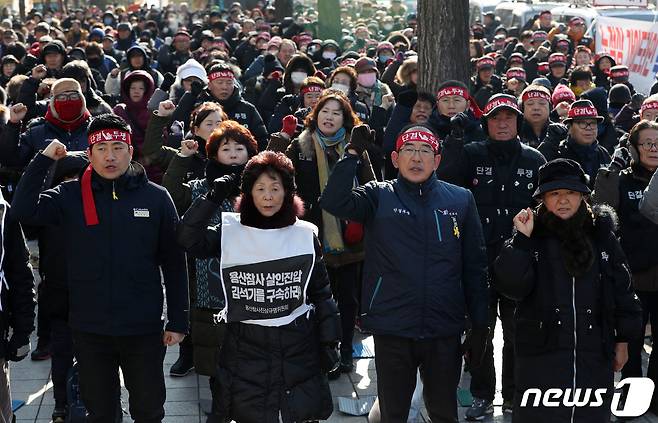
{"points": [[502, 174], [121, 238], [17, 301], [223, 89]]}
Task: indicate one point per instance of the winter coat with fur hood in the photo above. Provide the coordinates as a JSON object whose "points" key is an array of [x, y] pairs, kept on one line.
{"points": [[575, 301]]}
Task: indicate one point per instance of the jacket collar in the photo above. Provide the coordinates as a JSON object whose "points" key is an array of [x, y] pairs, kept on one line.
{"points": [[418, 189]]}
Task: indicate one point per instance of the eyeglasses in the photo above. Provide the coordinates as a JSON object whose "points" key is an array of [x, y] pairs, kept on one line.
{"points": [[410, 151], [648, 146], [69, 96], [586, 124]]}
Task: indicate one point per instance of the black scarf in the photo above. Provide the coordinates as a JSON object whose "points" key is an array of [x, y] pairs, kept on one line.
{"points": [[576, 248], [215, 169]]}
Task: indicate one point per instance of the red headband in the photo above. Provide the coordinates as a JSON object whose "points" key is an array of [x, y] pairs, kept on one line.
{"points": [[486, 61], [504, 101], [535, 94], [652, 105], [620, 73], [221, 74], [109, 135], [542, 67], [557, 58], [587, 111], [516, 73], [312, 89], [452, 90], [417, 135]]}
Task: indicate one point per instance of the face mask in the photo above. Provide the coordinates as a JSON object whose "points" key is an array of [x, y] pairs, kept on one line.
{"points": [[298, 77], [107, 21], [341, 87], [384, 58], [367, 79], [68, 110], [388, 27], [329, 55]]}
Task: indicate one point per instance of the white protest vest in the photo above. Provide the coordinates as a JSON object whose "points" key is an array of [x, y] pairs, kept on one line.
{"points": [[265, 272]]}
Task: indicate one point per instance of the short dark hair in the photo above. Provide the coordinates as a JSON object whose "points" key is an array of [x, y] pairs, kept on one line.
{"points": [[108, 121], [426, 97]]}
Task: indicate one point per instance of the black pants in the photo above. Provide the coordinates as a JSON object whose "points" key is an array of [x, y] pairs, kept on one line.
{"points": [[633, 367], [140, 359], [43, 319], [61, 350], [483, 379], [345, 288], [398, 359]]}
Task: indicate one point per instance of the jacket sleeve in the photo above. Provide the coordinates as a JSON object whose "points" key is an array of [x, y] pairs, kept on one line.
{"points": [[258, 129], [9, 147], [474, 267], [399, 118], [343, 201], [319, 294], [281, 110], [649, 201], [184, 108], [31, 206], [174, 270], [626, 118], [194, 234], [21, 294], [157, 97], [174, 181], [153, 150], [628, 310], [454, 162], [255, 68], [514, 268], [606, 188], [28, 96]]}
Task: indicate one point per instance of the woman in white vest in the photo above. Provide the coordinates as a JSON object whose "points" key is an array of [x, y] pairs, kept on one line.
{"points": [[282, 323]]}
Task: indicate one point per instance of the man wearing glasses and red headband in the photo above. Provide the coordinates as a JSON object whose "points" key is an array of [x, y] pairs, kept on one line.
{"points": [[502, 173], [424, 271], [121, 239]]}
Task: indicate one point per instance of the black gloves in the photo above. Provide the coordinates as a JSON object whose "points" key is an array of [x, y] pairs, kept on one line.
{"points": [[197, 88], [361, 136], [636, 101], [168, 81], [223, 187], [17, 352], [556, 133], [458, 124], [621, 159], [475, 346]]}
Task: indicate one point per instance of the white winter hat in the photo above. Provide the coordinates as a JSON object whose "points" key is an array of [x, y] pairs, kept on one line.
{"points": [[192, 68]]}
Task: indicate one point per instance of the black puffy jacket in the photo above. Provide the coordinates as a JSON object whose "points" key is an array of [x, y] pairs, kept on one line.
{"points": [[567, 326], [264, 371]]}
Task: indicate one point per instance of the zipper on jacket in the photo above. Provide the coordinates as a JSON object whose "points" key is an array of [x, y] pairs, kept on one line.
{"points": [[374, 294], [438, 226], [575, 339], [114, 193]]}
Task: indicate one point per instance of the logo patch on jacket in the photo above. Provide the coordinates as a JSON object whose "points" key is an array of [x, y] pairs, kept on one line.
{"points": [[141, 213]]}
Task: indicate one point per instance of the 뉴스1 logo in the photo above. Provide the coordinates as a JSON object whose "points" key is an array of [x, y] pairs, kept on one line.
{"points": [[638, 399]]}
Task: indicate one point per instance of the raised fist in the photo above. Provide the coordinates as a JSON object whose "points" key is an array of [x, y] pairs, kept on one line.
{"points": [[55, 150], [17, 112], [188, 148], [524, 222], [166, 108], [39, 72]]}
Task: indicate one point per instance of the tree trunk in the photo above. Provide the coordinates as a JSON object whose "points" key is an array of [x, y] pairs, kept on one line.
{"points": [[21, 9], [283, 9], [329, 20], [443, 34]]}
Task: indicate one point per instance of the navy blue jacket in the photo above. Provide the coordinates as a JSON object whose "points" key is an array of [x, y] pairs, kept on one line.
{"points": [[425, 265], [114, 267]]}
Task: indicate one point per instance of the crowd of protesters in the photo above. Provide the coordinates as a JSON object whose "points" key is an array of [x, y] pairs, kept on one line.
{"points": [[320, 191]]}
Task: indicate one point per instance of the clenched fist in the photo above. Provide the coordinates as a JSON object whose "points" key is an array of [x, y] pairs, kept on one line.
{"points": [[17, 112], [524, 222], [55, 150], [166, 108], [188, 148], [39, 72]]}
